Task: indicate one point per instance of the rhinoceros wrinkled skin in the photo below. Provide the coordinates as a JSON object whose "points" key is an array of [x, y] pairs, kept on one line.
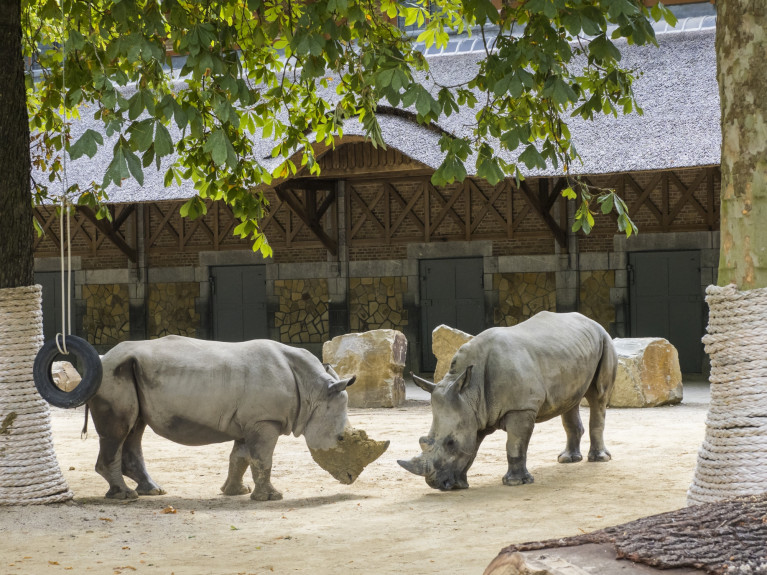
{"points": [[511, 378], [197, 392]]}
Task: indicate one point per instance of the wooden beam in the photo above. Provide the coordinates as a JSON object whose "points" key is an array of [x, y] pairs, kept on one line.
{"points": [[309, 219], [105, 227], [532, 199]]}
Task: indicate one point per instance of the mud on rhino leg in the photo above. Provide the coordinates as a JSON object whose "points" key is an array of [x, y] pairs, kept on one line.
{"points": [[519, 428], [571, 421], [133, 465], [597, 408], [239, 460], [261, 445]]}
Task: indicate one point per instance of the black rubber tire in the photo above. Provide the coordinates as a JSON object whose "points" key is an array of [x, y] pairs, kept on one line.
{"points": [[89, 365]]}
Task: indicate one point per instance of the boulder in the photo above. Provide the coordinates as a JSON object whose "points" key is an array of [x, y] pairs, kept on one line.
{"points": [[64, 375], [648, 373], [445, 341], [377, 358]]}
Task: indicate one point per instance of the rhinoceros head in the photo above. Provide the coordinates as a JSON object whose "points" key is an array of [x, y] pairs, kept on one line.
{"points": [[328, 416], [448, 451]]}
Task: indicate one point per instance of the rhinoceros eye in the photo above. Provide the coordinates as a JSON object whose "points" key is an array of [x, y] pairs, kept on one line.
{"points": [[450, 443]]}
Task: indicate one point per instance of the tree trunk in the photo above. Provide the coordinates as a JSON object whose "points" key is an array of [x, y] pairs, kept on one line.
{"points": [[741, 54], [16, 228]]}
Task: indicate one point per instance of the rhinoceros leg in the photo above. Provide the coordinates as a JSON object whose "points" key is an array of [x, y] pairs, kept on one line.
{"points": [[133, 464], [597, 408], [571, 421], [113, 421], [239, 460], [519, 428], [261, 450]]}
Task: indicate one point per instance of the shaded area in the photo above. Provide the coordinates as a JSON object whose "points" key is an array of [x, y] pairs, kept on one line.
{"points": [[727, 537]]}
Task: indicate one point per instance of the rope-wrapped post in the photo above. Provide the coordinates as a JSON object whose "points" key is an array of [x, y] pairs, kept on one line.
{"points": [[733, 458], [29, 470]]}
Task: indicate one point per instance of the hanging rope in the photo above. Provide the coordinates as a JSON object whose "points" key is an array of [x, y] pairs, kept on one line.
{"points": [[733, 458], [66, 294], [29, 470]]}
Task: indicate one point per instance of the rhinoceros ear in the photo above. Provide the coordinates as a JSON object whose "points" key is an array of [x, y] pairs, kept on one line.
{"points": [[463, 379], [329, 369], [341, 384]]}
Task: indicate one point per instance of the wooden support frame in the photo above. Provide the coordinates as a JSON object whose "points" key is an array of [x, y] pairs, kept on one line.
{"points": [[307, 210], [110, 230]]}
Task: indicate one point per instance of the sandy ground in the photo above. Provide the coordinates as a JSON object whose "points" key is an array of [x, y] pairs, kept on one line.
{"points": [[388, 521]]}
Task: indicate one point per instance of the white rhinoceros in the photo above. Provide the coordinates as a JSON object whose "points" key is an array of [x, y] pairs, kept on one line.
{"points": [[510, 378], [197, 392]]}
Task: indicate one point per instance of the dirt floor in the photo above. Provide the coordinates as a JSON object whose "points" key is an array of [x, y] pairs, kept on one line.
{"points": [[388, 521]]}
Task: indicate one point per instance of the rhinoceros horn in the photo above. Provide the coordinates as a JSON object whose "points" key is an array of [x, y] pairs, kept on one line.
{"points": [[415, 465], [422, 383]]}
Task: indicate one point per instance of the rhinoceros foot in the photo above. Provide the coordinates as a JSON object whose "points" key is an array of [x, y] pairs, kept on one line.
{"points": [[518, 479], [235, 489], [570, 457], [266, 495], [599, 455], [353, 452], [149, 488], [118, 493]]}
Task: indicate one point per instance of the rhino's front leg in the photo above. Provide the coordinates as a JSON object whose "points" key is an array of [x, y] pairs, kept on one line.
{"points": [[571, 421], [261, 443], [239, 460], [519, 428], [463, 481], [597, 408]]}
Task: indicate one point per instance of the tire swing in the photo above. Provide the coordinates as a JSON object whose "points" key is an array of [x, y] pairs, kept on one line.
{"points": [[88, 359]]}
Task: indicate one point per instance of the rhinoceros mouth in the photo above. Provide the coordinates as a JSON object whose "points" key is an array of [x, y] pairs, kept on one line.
{"points": [[446, 483]]}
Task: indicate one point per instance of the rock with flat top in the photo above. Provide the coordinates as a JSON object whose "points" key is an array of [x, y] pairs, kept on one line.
{"points": [[377, 358], [648, 373], [445, 341]]}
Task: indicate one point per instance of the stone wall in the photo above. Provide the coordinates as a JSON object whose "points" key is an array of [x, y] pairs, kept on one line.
{"points": [[302, 315], [522, 295], [172, 309], [106, 321], [595, 296], [377, 303]]}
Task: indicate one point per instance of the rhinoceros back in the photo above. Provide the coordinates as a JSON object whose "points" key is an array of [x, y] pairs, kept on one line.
{"points": [[544, 364], [197, 392]]}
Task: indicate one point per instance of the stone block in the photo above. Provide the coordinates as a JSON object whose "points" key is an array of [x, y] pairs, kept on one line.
{"points": [[377, 358], [64, 375], [445, 341], [648, 373]]}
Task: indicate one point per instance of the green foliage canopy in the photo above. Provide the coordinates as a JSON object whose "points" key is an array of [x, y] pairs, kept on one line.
{"points": [[258, 69]]}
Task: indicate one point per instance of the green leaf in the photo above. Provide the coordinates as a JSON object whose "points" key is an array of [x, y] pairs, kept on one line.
{"points": [[87, 145], [216, 146], [606, 203], [532, 158], [603, 49], [569, 193], [163, 144]]}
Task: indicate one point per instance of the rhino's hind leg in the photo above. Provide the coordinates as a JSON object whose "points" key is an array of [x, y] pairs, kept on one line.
{"points": [[597, 408], [571, 421], [133, 465], [519, 428], [261, 444], [114, 425], [239, 460]]}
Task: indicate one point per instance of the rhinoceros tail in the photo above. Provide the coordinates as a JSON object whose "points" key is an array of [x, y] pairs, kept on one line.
{"points": [[604, 378]]}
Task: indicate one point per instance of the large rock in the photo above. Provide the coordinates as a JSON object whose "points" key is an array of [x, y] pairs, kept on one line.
{"points": [[648, 373], [377, 358], [445, 341], [64, 375]]}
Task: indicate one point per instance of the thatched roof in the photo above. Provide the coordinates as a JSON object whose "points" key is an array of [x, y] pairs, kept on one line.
{"points": [[679, 128]]}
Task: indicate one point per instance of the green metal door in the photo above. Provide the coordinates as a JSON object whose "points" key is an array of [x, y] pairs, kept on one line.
{"points": [[238, 295], [452, 293], [666, 301]]}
